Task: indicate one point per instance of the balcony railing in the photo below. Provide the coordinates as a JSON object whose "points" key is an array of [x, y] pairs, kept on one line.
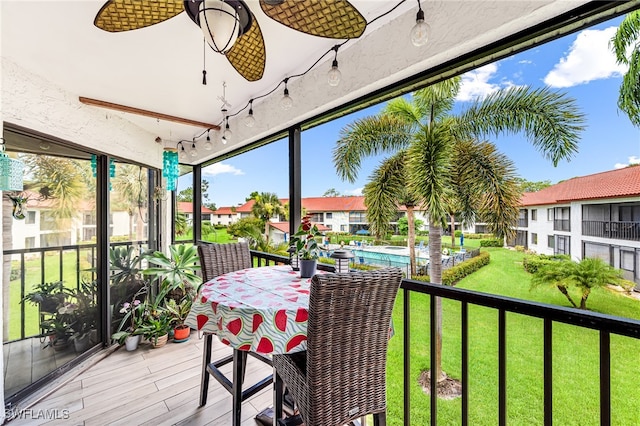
{"points": [[616, 230], [562, 225], [551, 316], [65, 263], [523, 223]]}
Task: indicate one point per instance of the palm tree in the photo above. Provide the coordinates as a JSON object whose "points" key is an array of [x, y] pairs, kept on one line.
{"points": [[626, 37], [439, 160], [266, 206], [130, 187], [584, 275]]}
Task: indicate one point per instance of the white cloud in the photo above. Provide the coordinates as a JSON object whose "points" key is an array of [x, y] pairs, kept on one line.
{"points": [[475, 84], [632, 160], [525, 61], [589, 58], [221, 168], [357, 191]]}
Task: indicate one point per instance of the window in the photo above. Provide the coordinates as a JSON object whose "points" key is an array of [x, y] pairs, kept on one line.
{"points": [[317, 217], [550, 215], [219, 216], [328, 215], [534, 214], [343, 228], [229, 216], [29, 242], [357, 217], [31, 218], [550, 241], [534, 238], [329, 226]]}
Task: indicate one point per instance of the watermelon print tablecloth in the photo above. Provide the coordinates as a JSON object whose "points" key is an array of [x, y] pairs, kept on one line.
{"points": [[256, 309]]}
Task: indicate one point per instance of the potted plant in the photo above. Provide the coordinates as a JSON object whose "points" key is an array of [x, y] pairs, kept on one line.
{"points": [[155, 328], [59, 326], [177, 272], [130, 330], [48, 296], [178, 312], [85, 316], [306, 246]]}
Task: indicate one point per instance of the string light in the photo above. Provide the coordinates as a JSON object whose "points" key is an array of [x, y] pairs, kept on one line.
{"points": [[194, 150], [208, 146], [420, 31], [182, 155], [286, 102], [334, 75], [249, 120]]}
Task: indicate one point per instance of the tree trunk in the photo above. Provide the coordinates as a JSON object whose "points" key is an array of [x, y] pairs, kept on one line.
{"points": [[564, 291], [411, 240], [453, 230], [583, 300], [435, 275]]}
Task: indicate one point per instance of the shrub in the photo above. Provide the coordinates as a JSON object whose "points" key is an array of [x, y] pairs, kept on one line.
{"points": [[494, 242], [456, 273], [519, 249], [479, 236], [457, 233], [532, 263]]}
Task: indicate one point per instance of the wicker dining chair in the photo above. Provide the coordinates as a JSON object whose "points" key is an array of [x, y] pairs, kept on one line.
{"points": [[215, 260], [342, 374]]}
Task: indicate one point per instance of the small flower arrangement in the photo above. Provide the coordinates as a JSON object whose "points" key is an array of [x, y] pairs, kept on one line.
{"points": [[304, 240]]}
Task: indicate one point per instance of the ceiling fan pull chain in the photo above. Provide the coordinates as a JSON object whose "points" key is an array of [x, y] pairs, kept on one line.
{"points": [[204, 61]]}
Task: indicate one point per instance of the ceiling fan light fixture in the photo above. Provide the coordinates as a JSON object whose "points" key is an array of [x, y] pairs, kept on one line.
{"points": [[421, 30], [220, 24]]}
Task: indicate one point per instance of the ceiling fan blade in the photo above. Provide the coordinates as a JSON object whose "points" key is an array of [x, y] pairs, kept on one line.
{"points": [[248, 55], [124, 15], [323, 18]]}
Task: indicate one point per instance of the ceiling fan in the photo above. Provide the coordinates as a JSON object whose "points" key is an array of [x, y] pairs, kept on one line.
{"points": [[230, 27]]}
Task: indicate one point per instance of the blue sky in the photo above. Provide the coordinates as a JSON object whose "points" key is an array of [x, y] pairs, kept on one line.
{"points": [[580, 65]]}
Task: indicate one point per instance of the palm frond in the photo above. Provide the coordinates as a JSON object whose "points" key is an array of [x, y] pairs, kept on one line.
{"points": [[436, 101], [626, 36], [429, 169], [381, 193], [551, 120], [367, 137]]}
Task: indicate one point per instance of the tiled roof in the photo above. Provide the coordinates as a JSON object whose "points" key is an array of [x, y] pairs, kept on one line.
{"points": [[319, 204], [187, 207], [224, 210], [618, 183]]}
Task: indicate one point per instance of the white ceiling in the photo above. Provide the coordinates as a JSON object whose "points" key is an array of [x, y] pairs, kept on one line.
{"points": [[159, 68]]}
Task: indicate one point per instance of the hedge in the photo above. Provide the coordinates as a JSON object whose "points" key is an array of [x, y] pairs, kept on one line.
{"points": [[494, 242], [531, 264], [456, 273]]}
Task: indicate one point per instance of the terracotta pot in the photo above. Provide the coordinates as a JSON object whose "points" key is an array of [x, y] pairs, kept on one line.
{"points": [[181, 333]]}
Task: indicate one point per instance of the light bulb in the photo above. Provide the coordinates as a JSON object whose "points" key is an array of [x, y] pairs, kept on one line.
{"points": [[208, 146], [194, 151], [334, 75], [224, 138], [249, 120], [286, 102], [183, 154], [420, 31]]}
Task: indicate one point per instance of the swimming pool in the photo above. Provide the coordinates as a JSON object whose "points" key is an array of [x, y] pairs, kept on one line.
{"points": [[381, 256]]}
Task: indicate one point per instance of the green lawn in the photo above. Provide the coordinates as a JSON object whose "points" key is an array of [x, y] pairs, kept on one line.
{"points": [[70, 263], [575, 356]]}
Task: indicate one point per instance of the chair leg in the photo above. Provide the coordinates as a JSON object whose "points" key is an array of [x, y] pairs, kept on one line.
{"points": [[277, 396], [204, 379], [380, 419], [239, 363]]}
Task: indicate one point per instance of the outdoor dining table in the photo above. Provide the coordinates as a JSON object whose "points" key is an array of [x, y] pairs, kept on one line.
{"points": [[257, 311]]}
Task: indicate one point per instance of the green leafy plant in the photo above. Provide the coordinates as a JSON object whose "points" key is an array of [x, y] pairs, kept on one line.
{"points": [[134, 313], [176, 271], [48, 296], [305, 240], [178, 311]]}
